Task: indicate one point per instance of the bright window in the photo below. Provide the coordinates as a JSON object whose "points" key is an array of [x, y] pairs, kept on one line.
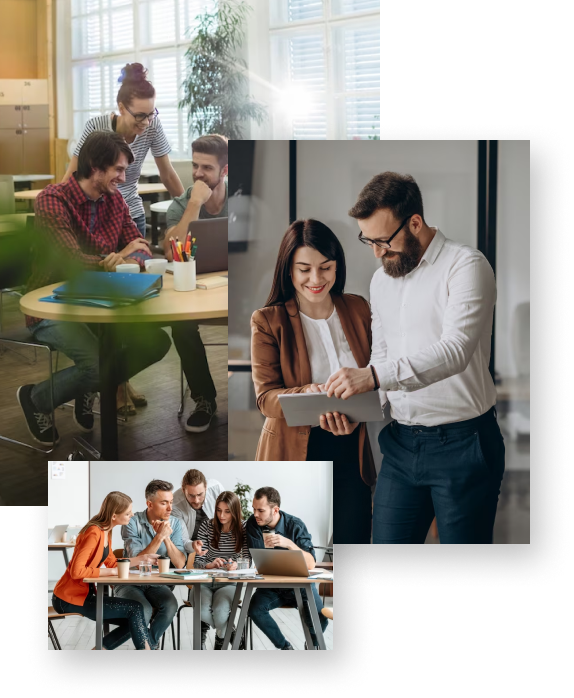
{"points": [[343, 67]]}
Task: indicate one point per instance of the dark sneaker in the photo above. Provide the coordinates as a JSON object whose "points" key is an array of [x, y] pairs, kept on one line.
{"points": [[241, 642], [288, 646], [218, 644], [204, 629], [39, 424], [83, 412], [200, 418]]}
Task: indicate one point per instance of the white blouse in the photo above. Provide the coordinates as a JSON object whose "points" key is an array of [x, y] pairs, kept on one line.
{"points": [[327, 346]]}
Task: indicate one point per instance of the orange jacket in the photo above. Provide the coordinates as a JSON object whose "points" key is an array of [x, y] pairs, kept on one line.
{"points": [[87, 554]]}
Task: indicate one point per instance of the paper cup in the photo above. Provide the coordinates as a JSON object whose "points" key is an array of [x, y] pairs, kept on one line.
{"points": [[265, 537], [156, 266], [163, 564], [128, 268], [184, 276], [123, 569]]}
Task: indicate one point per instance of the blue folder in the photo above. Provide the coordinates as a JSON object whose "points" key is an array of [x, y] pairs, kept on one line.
{"points": [[107, 289]]}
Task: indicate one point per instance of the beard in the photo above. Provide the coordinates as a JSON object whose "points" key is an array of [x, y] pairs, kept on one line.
{"points": [[402, 263], [210, 183]]}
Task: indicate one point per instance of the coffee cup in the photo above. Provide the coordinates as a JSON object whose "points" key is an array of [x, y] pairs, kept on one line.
{"points": [[123, 568], [156, 266], [163, 564], [266, 535], [128, 268]]}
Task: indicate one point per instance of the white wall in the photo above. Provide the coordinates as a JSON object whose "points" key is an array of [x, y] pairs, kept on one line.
{"points": [[306, 492], [68, 503]]}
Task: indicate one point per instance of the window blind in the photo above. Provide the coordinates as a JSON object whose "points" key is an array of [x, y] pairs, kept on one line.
{"points": [[457, 62]]}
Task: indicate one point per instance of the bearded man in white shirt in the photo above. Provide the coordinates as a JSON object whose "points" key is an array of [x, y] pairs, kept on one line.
{"points": [[432, 304]]}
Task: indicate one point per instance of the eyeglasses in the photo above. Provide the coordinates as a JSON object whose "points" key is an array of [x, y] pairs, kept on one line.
{"points": [[385, 244], [140, 118]]}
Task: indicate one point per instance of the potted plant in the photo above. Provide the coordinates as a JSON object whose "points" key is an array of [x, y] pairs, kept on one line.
{"points": [[216, 86], [242, 491]]}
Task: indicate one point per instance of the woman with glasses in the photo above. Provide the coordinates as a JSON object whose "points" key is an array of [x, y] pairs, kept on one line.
{"points": [[308, 329], [137, 121]]}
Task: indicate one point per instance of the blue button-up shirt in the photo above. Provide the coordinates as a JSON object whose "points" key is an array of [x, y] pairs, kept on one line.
{"points": [[288, 526], [139, 533]]}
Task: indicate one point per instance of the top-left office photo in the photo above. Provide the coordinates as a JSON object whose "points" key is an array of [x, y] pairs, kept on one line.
{"points": [[113, 238]]}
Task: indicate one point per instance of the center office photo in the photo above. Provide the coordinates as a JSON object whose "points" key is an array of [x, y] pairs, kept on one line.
{"points": [[387, 330], [203, 556], [115, 307]]}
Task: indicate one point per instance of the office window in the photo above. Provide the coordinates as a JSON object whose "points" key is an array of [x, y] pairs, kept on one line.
{"points": [[361, 63], [107, 34]]}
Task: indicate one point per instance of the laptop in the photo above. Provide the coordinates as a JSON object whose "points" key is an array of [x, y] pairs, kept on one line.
{"points": [[211, 240], [284, 563], [55, 534]]}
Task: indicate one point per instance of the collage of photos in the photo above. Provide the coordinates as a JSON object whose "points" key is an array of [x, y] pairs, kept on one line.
{"points": [[239, 327]]}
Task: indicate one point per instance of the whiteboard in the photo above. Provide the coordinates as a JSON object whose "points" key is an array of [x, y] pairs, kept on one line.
{"points": [[306, 491]]}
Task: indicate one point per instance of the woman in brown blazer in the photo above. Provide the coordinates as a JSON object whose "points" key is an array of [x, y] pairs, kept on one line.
{"points": [[307, 330]]}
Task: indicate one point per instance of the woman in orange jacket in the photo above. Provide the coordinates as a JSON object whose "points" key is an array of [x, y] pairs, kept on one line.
{"points": [[94, 547]]}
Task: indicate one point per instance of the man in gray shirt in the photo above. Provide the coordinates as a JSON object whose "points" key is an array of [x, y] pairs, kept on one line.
{"points": [[207, 198]]}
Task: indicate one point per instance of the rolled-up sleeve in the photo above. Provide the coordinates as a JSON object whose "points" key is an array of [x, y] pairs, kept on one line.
{"points": [[133, 543], [471, 299]]}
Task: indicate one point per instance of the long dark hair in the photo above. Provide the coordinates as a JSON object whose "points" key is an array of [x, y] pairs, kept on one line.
{"points": [[305, 233], [232, 501], [134, 84]]}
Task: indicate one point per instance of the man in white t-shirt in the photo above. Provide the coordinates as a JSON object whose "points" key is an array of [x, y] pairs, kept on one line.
{"points": [[432, 304]]}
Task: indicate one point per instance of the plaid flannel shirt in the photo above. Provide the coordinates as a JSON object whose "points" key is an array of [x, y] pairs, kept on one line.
{"points": [[74, 231]]}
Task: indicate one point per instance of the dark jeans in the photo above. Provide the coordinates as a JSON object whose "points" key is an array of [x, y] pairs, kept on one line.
{"points": [[140, 223], [144, 344], [453, 471], [158, 597], [128, 615], [265, 600], [187, 341], [351, 496]]}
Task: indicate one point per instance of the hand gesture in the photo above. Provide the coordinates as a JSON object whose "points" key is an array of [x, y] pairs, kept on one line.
{"points": [[112, 261], [216, 564], [232, 566], [200, 193], [315, 388], [136, 245], [349, 381], [197, 546], [337, 424]]}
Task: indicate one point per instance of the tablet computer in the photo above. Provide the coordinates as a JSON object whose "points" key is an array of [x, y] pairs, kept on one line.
{"points": [[302, 409]]}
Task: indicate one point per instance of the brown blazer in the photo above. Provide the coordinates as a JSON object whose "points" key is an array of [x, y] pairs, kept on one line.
{"points": [[280, 365]]}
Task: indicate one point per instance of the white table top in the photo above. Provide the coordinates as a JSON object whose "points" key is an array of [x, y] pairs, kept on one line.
{"points": [[161, 206], [31, 177]]}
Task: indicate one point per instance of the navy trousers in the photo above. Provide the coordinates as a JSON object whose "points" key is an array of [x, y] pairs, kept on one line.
{"points": [[453, 471]]}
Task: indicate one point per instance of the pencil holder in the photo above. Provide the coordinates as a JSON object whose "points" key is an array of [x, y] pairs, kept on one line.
{"points": [[184, 275]]}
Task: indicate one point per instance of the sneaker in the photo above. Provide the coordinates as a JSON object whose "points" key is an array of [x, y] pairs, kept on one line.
{"points": [[241, 642], [288, 646], [39, 424], [200, 418], [83, 414], [204, 629], [218, 644]]}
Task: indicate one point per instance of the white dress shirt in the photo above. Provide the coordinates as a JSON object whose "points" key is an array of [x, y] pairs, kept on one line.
{"points": [[327, 346], [431, 336]]}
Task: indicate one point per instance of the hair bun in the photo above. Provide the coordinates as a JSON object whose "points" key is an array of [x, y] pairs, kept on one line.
{"points": [[133, 72]]}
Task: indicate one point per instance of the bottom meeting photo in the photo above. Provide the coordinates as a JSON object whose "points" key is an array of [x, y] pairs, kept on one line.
{"points": [[204, 555]]}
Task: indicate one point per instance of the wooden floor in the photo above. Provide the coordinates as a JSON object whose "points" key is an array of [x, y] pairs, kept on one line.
{"points": [[77, 633], [155, 433]]}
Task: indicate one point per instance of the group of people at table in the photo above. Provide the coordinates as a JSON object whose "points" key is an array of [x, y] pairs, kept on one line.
{"points": [[95, 220], [200, 519]]}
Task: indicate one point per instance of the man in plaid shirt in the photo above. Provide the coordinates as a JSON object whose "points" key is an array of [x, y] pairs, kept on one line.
{"points": [[78, 222]]}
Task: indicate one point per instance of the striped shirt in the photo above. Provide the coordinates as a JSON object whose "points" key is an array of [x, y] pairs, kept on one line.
{"points": [[226, 548], [153, 138]]}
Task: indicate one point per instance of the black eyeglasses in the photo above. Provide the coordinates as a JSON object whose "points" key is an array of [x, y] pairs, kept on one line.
{"points": [[140, 118], [385, 244]]}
